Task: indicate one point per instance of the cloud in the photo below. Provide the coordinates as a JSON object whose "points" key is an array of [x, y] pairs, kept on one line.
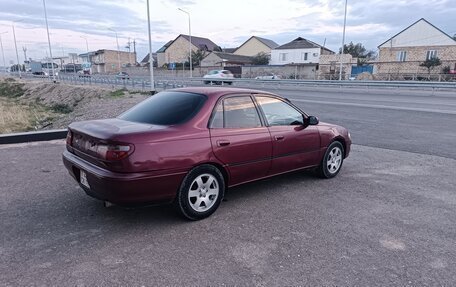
{"points": [[368, 22], [182, 2]]}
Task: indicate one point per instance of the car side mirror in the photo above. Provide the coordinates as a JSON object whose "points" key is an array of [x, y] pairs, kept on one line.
{"points": [[313, 120]]}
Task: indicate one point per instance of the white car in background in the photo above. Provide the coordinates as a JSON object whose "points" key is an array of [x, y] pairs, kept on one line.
{"points": [[268, 77], [218, 77]]}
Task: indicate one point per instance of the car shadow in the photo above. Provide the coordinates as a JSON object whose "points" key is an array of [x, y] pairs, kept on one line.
{"points": [[166, 214], [261, 187]]}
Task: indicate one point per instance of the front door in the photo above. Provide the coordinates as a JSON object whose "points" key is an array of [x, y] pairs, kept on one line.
{"points": [[295, 145], [240, 140]]}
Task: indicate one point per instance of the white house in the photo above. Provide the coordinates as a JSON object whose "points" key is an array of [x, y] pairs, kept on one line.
{"points": [[298, 51]]}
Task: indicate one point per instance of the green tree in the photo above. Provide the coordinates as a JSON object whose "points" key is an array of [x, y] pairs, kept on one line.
{"points": [[431, 63], [16, 67], [260, 59], [198, 56], [359, 51]]}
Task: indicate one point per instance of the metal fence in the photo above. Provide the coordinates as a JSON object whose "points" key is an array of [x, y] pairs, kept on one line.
{"points": [[163, 83]]}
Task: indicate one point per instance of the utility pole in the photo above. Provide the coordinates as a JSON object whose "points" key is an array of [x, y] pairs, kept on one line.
{"points": [[61, 60], [49, 41], [129, 51], [190, 39], [24, 48], [17, 54], [118, 49], [343, 42], [151, 59], [3, 53], [88, 56], [134, 49]]}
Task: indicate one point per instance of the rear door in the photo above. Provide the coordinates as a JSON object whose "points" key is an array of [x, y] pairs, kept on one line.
{"points": [[240, 140], [295, 145]]}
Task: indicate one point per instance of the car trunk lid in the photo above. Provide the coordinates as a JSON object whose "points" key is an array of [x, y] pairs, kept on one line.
{"points": [[105, 142]]}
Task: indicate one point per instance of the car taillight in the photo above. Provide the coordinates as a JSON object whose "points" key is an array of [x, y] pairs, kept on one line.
{"points": [[69, 138], [114, 152]]}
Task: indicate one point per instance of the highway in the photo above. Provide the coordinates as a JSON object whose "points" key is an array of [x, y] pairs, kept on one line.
{"points": [[386, 219], [423, 123]]}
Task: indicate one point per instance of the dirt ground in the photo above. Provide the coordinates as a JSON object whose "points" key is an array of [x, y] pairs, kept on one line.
{"points": [[37, 105]]}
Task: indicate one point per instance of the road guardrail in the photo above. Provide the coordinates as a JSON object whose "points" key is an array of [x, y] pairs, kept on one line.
{"points": [[46, 135]]}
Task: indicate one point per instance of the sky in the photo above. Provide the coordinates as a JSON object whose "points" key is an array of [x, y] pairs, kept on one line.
{"points": [[227, 23]]}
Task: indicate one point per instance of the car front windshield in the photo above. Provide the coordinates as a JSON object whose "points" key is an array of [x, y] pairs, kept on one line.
{"points": [[166, 108]]}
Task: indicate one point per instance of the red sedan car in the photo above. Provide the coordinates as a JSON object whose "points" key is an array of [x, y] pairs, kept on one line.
{"points": [[188, 145]]}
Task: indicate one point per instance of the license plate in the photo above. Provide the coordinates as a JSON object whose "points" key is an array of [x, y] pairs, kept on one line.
{"points": [[83, 179]]}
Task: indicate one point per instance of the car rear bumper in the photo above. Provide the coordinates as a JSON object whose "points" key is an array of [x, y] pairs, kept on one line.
{"points": [[124, 188]]}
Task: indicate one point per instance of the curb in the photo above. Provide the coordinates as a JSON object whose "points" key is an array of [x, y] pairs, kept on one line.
{"points": [[33, 136]]}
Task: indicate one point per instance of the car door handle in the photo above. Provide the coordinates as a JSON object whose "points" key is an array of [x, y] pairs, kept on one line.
{"points": [[223, 142], [279, 138]]}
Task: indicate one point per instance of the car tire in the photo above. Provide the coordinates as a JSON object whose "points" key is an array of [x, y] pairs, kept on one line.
{"points": [[206, 82], [200, 193], [332, 160]]}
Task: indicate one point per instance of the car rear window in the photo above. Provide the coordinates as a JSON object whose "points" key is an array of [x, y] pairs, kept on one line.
{"points": [[166, 108], [213, 72]]}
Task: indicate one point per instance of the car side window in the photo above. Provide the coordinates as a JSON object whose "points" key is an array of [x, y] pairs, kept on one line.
{"points": [[279, 113], [236, 112]]}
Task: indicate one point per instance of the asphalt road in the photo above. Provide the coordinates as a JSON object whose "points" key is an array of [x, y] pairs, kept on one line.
{"points": [[386, 219], [414, 121]]}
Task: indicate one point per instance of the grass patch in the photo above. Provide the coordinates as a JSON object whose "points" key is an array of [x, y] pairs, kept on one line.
{"points": [[117, 93], [140, 92], [16, 117], [9, 88], [62, 108]]}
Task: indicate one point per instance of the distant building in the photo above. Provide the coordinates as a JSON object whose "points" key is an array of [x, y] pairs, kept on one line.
{"points": [[222, 59], [145, 61], [404, 52], [229, 50], [298, 51], [329, 66], [107, 61], [255, 45], [177, 50]]}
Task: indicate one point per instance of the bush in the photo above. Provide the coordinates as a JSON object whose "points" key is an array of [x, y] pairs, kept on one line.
{"points": [[62, 108], [117, 93], [10, 89]]}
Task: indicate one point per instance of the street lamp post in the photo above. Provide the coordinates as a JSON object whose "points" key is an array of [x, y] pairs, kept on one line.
{"points": [[190, 38], [3, 53], [88, 57], [151, 58], [17, 54], [343, 41], [118, 49], [49, 41], [87, 44]]}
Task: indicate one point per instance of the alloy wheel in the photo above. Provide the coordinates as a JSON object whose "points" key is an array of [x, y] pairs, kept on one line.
{"points": [[334, 160], [203, 192]]}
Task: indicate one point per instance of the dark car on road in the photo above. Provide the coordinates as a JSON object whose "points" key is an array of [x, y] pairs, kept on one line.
{"points": [[122, 76], [186, 146]]}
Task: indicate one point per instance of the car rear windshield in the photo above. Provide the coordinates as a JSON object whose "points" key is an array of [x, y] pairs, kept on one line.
{"points": [[213, 72], [166, 108]]}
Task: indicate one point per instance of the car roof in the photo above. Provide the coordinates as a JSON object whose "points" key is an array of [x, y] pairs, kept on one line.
{"points": [[221, 91]]}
